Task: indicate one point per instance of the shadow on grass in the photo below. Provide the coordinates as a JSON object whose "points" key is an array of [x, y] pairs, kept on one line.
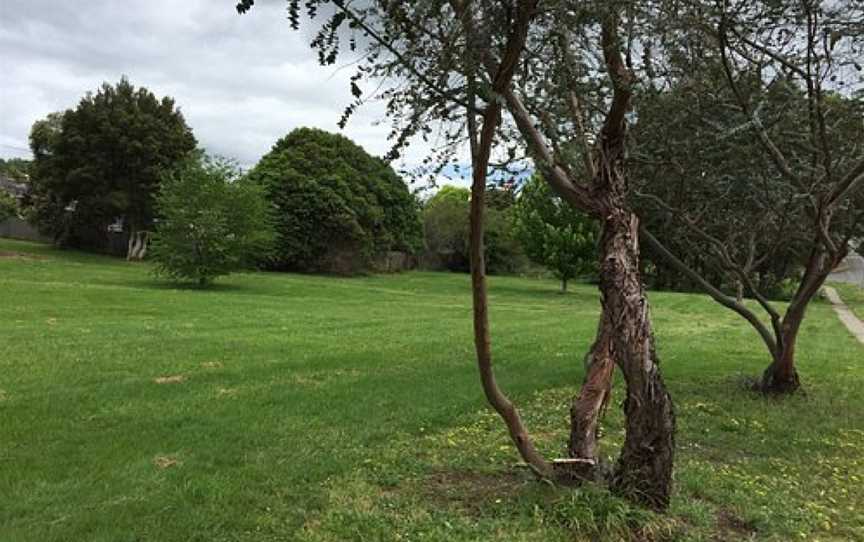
{"points": [[539, 291], [165, 285]]}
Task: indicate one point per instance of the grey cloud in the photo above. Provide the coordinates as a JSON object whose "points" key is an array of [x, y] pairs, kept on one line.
{"points": [[241, 81]]}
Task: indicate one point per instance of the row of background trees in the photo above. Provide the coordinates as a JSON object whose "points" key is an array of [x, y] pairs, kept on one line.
{"points": [[340, 209], [124, 159]]}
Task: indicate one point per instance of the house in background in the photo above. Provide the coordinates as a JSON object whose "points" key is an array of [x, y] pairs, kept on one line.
{"points": [[13, 188], [16, 227]]}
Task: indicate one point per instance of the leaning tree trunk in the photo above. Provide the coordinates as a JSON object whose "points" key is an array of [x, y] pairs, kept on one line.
{"points": [[588, 407], [644, 470], [781, 377]]}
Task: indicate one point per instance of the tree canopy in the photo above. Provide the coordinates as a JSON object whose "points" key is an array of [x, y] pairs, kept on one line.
{"points": [[102, 161], [337, 207]]}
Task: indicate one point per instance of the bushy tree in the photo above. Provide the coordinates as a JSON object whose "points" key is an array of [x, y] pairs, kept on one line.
{"points": [[337, 207], [102, 161], [211, 222], [446, 230], [554, 234]]}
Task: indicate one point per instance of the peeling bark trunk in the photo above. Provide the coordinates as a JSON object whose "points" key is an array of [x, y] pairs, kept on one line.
{"points": [[644, 470], [588, 407], [137, 246]]}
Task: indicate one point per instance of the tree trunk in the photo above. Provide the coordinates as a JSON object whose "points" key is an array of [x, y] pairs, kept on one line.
{"points": [[781, 377], [588, 407], [644, 470], [563, 286], [137, 246]]}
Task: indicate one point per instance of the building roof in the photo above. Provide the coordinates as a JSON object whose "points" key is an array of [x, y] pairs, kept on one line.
{"points": [[12, 188]]}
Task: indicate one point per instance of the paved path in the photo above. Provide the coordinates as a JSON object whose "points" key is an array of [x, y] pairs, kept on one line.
{"points": [[853, 324]]}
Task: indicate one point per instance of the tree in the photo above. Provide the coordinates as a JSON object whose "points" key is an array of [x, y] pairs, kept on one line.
{"points": [[554, 234], [445, 227], [338, 208], [779, 192], [481, 58], [211, 222], [446, 230], [102, 161]]}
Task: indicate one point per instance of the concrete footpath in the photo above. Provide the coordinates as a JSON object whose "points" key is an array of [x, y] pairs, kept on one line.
{"points": [[852, 323]]}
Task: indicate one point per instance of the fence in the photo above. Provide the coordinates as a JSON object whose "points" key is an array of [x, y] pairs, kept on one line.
{"points": [[15, 228]]}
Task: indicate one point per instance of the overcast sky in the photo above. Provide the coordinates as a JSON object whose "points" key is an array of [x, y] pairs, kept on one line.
{"points": [[241, 81]]}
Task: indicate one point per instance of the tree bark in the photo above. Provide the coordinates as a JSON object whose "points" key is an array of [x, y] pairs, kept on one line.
{"points": [[481, 139], [588, 407], [781, 377], [137, 246], [644, 469], [563, 286]]}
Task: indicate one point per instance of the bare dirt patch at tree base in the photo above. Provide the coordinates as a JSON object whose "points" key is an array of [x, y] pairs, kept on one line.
{"points": [[733, 527], [473, 491]]}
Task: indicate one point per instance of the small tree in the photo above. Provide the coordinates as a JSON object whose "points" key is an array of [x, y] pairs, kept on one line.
{"points": [[211, 222], [554, 234]]}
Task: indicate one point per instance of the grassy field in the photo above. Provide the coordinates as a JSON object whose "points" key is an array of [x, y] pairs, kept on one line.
{"points": [[286, 407], [852, 296]]}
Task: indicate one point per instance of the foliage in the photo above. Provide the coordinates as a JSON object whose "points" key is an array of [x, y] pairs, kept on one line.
{"points": [[8, 206], [210, 224], [554, 234], [338, 208], [256, 376], [737, 199], [17, 169], [445, 227], [103, 160]]}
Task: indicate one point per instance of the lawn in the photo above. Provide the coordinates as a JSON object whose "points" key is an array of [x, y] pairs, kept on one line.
{"points": [[852, 296], [290, 407]]}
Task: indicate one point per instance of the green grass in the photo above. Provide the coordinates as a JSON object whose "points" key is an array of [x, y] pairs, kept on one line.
{"points": [[852, 296], [331, 409]]}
